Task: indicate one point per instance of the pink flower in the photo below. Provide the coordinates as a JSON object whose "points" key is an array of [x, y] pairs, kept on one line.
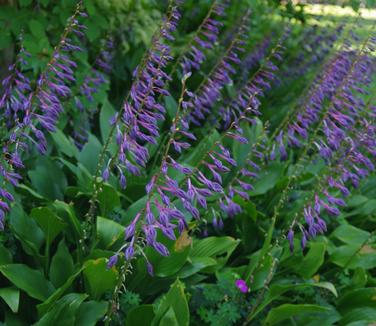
{"points": [[242, 286]]}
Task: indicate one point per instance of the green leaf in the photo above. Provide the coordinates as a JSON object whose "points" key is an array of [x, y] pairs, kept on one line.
{"points": [[29, 280], [171, 106], [11, 296], [64, 311], [108, 199], [107, 112], [25, 3], [62, 265], [353, 256], [48, 221], [90, 313], [99, 278], [276, 290], [219, 248], [64, 144], [47, 304], [36, 28], [89, 155], [26, 230], [286, 311], [358, 298], [268, 178], [176, 300], [5, 255], [359, 317], [67, 212], [313, 260], [179, 251], [350, 234], [48, 179], [195, 265], [140, 316], [108, 232]]}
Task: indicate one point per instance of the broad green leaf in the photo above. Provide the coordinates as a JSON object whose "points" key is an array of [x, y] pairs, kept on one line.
{"points": [[195, 265], [12, 297], [286, 311], [90, 313], [108, 199], [36, 28], [353, 256], [268, 178], [67, 212], [29, 280], [99, 278], [312, 260], [48, 221], [26, 230], [108, 232], [171, 106], [179, 251], [219, 248], [276, 290], [362, 316], [176, 300], [48, 179], [89, 155], [140, 316], [47, 304], [64, 144], [64, 311], [5, 255], [350, 234], [358, 298], [62, 265], [169, 318]]}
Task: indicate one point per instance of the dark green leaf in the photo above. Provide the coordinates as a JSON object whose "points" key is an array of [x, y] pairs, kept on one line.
{"points": [[12, 297], [62, 266], [29, 280], [286, 311], [90, 313], [48, 221]]}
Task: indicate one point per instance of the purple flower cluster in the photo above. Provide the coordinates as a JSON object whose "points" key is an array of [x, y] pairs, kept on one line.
{"points": [[17, 89], [346, 143], [324, 89], [221, 75], [247, 99], [207, 36], [137, 123], [35, 112], [351, 165]]}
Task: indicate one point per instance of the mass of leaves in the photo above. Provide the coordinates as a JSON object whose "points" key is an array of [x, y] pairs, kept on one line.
{"points": [[186, 162]]}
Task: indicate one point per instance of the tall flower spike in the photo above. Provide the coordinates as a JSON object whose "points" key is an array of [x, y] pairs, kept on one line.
{"points": [[40, 109], [16, 90], [205, 38], [137, 122], [323, 89], [209, 91]]}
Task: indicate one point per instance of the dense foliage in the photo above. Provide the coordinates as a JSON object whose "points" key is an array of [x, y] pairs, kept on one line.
{"points": [[186, 163]]}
